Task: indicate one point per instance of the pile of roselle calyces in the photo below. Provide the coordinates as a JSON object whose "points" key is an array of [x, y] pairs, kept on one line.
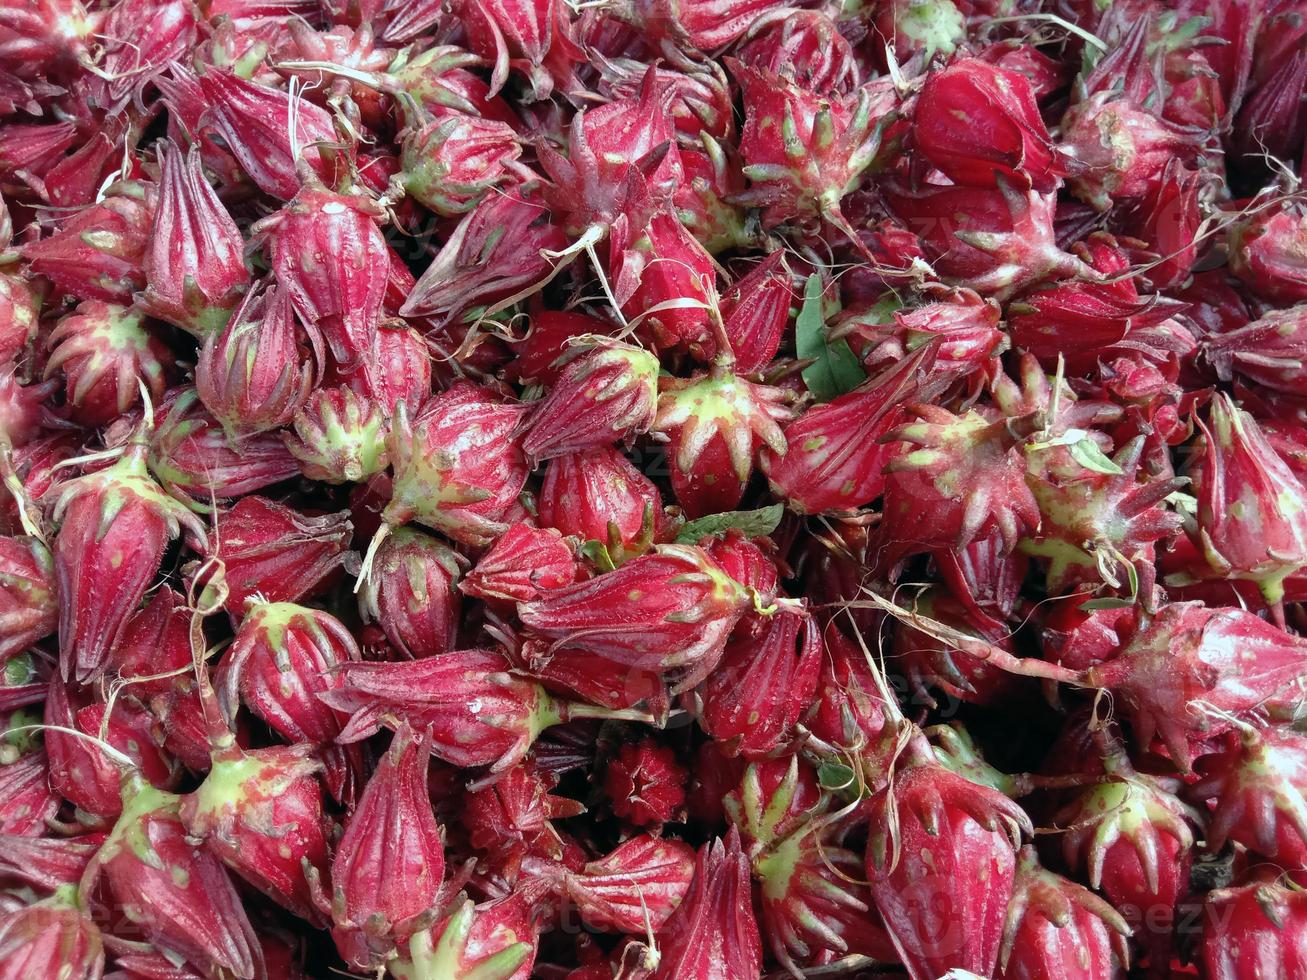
{"points": [[700, 490]]}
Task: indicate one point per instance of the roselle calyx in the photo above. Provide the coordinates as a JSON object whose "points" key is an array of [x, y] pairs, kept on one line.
{"points": [[113, 526]]}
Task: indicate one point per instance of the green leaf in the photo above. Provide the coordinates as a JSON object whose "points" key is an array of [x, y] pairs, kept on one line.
{"points": [[835, 369], [1106, 602], [834, 776], [598, 554], [1087, 454], [751, 523]]}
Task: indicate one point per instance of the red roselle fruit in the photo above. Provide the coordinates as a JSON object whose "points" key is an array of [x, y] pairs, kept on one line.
{"points": [[476, 712], [389, 864], [645, 784], [327, 252], [755, 312], [601, 496], [1252, 511], [194, 269], [511, 819], [496, 939], [1001, 105], [98, 253], [525, 563], [1056, 928], [340, 436], [1177, 666], [260, 813], [670, 611], [1266, 254], [178, 895], [1270, 351], [717, 423], [29, 606], [635, 887], [106, 352], [1260, 788], [113, 527], [55, 930], [27, 803], [450, 163], [605, 393], [458, 466], [940, 857], [834, 460], [412, 593], [763, 684], [1257, 926], [278, 553], [267, 132], [252, 373], [713, 932]]}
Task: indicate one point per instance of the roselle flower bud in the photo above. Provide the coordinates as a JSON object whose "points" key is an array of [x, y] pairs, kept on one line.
{"points": [[177, 895], [762, 685], [453, 161], [834, 458], [713, 931], [1266, 254], [494, 253], [669, 611], [717, 423], [252, 373], [105, 352], [534, 37], [645, 783], [1004, 133], [192, 458], [600, 496], [636, 886], [754, 567], [805, 46], [662, 275], [1056, 927], [255, 123], [388, 866], [755, 312], [1252, 511], [99, 252], [804, 152], [458, 464], [522, 565], [1260, 786], [943, 856], [260, 813], [475, 711], [412, 592], [1270, 351], [511, 818], [277, 553], [194, 267], [606, 393], [113, 525], [957, 478], [53, 932], [29, 604], [27, 803], [79, 770], [327, 252], [1121, 147], [1258, 922]]}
